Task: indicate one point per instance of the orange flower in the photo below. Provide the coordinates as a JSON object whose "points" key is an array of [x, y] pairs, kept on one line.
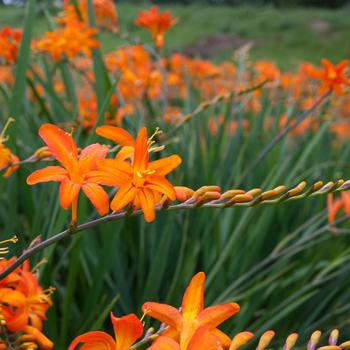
{"points": [[6, 156], [156, 23], [203, 339], [23, 307], [74, 175], [74, 38], [105, 13], [127, 330], [141, 183], [28, 302], [335, 205], [184, 324], [10, 40], [332, 76]]}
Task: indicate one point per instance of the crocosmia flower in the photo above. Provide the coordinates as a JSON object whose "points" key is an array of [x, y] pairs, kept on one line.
{"points": [[332, 77], [74, 172], [184, 324], [156, 23], [127, 330], [141, 183]]}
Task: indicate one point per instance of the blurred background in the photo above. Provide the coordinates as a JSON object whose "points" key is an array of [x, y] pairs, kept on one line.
{"points": [[287, 32]]}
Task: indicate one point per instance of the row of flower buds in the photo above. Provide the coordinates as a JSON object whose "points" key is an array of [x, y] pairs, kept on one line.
{"points": [[212, 196], [243, 338]]}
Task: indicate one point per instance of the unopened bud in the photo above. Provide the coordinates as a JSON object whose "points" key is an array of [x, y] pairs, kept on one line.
{"points": [[240, 340], [290, 341], [265, 340]]}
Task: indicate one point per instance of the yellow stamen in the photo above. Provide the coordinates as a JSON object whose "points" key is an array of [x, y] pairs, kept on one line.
{"points": [[49, 291], [156, 149], [144, 173], [144, 315], [5, 250], [150, 141], [13, 239], [3, 138], [41, 262]]}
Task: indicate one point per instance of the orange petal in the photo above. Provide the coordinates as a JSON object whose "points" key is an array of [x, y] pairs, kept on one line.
{"points": [[90, 155], [106, 178], [69, 191], [98, 197], [147, 202], [345, 196], [203, 339], [118, 135], [141, 150], [163, 313], [164, 343], [17, 320], [50, 173], [127, 330], [215, 315], [123, 197], [193, 300], [162, 185], [165, 165], [94, 341], [12, 168], [115, 166], [44, 342], [225, 340], [61, 144], [12, 297], [126, 152]]}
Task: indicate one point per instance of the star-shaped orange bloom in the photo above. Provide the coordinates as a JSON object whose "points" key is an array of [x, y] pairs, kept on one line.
{"points": [[141, 183], [156, 23], [75, 170], [127, 330], [193, 316], [333, 77]]}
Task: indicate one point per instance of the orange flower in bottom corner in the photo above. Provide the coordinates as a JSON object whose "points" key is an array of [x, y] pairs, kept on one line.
{"points": [[127, 330], [194, 322]]}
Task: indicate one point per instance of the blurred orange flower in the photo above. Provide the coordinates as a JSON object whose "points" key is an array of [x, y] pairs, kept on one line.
{"points": [[335, 205], [332, 77], [156, 23], [10, 40], [74, 38], [6, 156]]}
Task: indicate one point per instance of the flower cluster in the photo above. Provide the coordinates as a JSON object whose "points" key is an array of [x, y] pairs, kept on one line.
{"points": [[9, 44], [74, 37], [140, 183], [23, 307]]}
